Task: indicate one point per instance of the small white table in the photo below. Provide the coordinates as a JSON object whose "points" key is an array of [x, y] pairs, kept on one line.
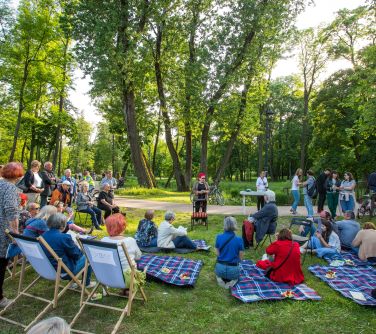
{"points": [[245, 193]]}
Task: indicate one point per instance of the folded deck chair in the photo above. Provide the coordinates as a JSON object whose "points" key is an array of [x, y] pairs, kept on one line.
{"points": [[104, 260], [35, 255]]}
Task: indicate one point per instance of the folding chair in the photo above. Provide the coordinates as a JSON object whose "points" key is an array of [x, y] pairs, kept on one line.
{"points": [[104, 260], [35, 255], [301, 240], [78, 214], [269, 233], [199, 217]]}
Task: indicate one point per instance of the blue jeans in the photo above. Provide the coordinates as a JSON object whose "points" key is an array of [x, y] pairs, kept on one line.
{"points": [[308, 205], [95, 214], [347, 205], [320, 249], [183, 242], [296, 195], [80, 264], [227, 272], [152, 243]]}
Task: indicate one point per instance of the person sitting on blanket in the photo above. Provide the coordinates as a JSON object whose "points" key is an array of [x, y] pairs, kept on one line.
{"points": [[115, 226], [230, 250], [347, 229], [265, 220], [325, 243], [147, 231], [304, 230], [171, 237], [364, 243], [286, 263], [64, 247]]}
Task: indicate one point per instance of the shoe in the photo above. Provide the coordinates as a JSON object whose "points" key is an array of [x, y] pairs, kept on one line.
{"points": [[203, 248], [231, 283], [91, 285], [91, 230], [265, 257], [221, 283], [74, 286], [302, 250], [98, 228], [5, 302]]}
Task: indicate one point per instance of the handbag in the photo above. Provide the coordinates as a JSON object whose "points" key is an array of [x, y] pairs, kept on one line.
{"points": [[21, 185], [269, 270]]}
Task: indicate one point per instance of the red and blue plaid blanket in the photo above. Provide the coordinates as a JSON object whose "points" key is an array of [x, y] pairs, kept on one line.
{"points": [[254, 286], [349, 281], [171, 269], [349, 256]]}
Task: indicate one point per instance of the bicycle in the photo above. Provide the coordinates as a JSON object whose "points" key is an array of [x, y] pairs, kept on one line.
{"points": [[215, 196]]}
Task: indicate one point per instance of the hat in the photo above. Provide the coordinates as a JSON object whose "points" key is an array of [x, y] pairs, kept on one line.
{"points": [[66, 182]]}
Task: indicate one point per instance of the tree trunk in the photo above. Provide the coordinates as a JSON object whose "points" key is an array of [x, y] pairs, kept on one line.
{"points": [[23, 151], [179, 176], [60, 153], [156, 142], [304, 132]]}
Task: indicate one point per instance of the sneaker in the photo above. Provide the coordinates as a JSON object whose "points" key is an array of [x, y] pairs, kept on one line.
{"points": [[221, 283], [265, 257], [302, 250], [5, 302], [206, 248], [231, 283], [91, 285]]}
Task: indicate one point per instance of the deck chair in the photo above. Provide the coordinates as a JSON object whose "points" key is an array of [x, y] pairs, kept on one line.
{"points": [[199, 217], [35, 255], [104, 260], [301, 240]]}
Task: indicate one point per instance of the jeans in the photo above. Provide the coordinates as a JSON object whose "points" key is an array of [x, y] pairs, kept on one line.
{"points": [[3, 268], [320, 249], [183, 242], [296, 195], [227, 272], [152, 243], [348, 205], [332, 203], [95, 214], [308, 205], [80, 264]]}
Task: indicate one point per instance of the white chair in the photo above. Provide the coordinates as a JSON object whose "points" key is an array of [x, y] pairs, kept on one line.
{"points": [[105, 262]]}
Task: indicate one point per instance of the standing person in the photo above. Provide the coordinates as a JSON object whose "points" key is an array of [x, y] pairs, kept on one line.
{"points": [[332, 192], [347, 195], [34, 182], [9, 204], [200, 191], [85, 203], [229, 250], [73, 188], [371, 182], [87, 177], [307, 186], [321, 189], [261, 185], [295, 190], [108, 179], [49, 180]]}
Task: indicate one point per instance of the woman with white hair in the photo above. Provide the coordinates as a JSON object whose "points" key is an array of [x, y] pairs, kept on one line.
{"points": [[229, 249], [54, 325], [38, 225], [171, 237]]}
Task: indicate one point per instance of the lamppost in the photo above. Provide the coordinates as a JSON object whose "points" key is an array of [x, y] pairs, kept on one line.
{"points": [[268, 114]]}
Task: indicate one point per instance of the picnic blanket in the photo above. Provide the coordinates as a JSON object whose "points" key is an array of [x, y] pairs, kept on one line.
{"points": [[173, 270], [336, 259], [355, 283], [199, 243], [254, 286]]}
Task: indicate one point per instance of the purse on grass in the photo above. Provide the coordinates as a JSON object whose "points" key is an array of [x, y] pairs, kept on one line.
{"points": [[269, 270]]}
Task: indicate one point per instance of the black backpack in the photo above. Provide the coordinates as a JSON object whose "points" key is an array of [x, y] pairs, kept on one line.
{"points": [[312, 191]]}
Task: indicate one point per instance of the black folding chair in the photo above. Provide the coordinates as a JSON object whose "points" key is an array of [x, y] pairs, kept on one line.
{"points": [[301, 240], [269, 233]]}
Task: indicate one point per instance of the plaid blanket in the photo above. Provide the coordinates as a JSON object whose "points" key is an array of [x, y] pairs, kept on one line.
{"points": [[350, 281], [349, 256], [254, 286], [171, 269]]}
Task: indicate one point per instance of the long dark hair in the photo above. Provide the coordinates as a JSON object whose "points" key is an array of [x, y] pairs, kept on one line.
{"points": [[329, 229]]}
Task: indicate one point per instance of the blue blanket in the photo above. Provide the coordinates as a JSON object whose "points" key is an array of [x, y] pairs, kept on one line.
{"points": [[349, 256], [254, 286]]}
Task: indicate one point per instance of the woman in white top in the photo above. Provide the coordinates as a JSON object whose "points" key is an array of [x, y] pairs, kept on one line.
{"points": [[261, 185], [115, 226], [33, 182], [295, 190], [346, 194], [171, 237]]}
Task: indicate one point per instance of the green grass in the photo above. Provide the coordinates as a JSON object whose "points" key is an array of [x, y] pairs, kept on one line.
{"points": [[206, 308]]}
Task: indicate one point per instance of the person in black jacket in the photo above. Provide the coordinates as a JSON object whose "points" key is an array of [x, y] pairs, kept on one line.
{"points": [[34, 182], [321, 189], [50, 182], [332, 192], [371, 182]]}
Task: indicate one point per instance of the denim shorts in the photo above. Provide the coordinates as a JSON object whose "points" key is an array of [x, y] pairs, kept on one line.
{"points": [[227, 272]]}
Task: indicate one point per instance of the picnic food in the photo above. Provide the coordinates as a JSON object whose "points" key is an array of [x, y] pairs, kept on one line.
{"points": [[165, 270], [349, 262], [287, 294], [330, 274], [185, 276]]}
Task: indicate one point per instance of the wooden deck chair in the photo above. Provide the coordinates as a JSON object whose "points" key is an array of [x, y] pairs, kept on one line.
{"points": [[35, 255], [104, 260]]}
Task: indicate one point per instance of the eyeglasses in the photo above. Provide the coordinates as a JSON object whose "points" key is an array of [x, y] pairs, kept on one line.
{"points": [[34, 208]]}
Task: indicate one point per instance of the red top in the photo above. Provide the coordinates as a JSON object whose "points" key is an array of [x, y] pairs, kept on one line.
{"points": [[291, 271]]}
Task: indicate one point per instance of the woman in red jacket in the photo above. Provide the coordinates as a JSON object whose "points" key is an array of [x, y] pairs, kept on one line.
{"points": [[286, 264]]}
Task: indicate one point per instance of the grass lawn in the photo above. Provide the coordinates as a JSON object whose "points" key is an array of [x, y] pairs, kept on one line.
{"points": [[207, 308]]}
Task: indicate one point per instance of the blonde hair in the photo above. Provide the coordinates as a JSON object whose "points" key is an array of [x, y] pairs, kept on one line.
{"points": [[369, 226], [35, 163]]}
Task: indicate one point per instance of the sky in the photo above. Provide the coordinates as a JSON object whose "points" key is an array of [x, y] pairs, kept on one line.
{"points": [[323, 11]]}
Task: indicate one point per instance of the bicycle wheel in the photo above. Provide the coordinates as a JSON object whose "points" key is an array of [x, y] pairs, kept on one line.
{"points": [[220, 200]]}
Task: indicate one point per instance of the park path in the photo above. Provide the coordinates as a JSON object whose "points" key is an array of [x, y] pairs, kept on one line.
{"points": [[212, 209]]}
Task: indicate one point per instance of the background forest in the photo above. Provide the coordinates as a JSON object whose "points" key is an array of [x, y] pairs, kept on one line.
{"points": [[185, 86]]}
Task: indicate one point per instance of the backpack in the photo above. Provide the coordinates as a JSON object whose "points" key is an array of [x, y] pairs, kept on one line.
{"points": [[312, 191]]}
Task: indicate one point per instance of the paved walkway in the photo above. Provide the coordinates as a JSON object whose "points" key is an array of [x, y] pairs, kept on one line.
{"points": [[213, 209]]}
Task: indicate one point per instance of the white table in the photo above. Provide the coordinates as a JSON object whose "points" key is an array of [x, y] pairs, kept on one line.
{"points": [[245, 193]]}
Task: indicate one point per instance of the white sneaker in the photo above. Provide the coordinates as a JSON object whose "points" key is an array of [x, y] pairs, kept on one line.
{"points": [[204, 248], [265, 257], [221, 283], [302, 250], [91, 285], [5, 302], [231, 283]]}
